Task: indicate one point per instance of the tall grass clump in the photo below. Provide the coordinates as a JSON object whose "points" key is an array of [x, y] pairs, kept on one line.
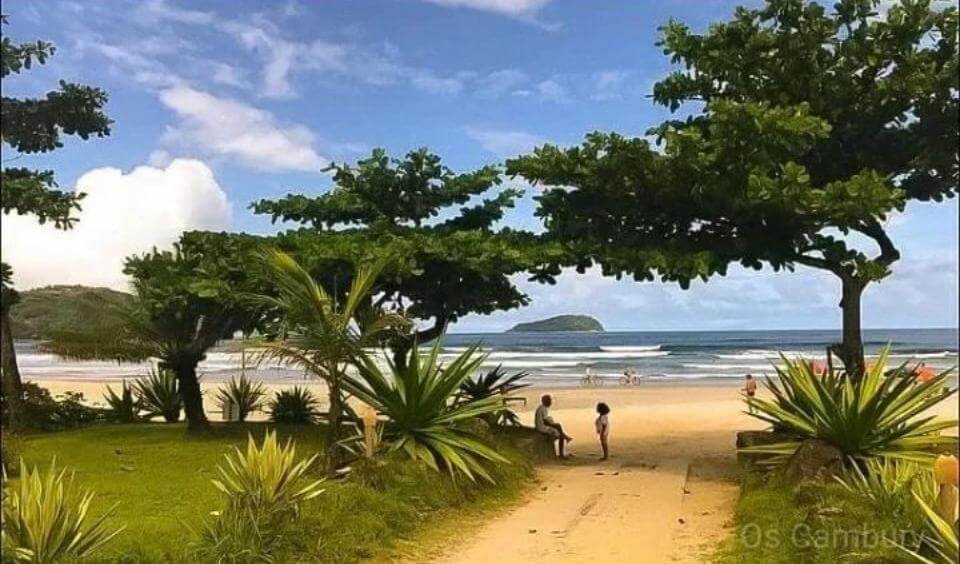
{"points": [[159, 395], [45, 518], [243, 392]]}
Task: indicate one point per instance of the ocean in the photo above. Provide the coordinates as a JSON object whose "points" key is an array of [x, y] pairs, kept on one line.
{"points": [[562, 359]]}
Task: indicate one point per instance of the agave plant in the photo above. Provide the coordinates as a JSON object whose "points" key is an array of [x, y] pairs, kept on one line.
{"points": [[122, 408], [295, 406], [159, 395], [495, 383], [45, 518], [243, 392], [423, 417], [940, 544], [877, 415], [891, 486]]}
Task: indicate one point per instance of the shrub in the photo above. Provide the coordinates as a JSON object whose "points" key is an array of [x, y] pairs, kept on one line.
{"points": [[940, 545], [294, 406], [44, 412], [264, 488], [246, 394], [159, 395], [495, 383], [123, 408], [877, 415], [892, 486], [11, 447], [422, 416], [45, 518]]}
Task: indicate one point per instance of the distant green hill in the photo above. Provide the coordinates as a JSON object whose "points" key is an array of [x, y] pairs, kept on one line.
{"points": [[53, 309], [559, 323]]}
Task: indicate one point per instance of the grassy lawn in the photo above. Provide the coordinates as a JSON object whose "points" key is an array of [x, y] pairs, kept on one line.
{"points": [[160, 477]]}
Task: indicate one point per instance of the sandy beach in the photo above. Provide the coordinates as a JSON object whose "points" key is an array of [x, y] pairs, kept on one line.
{"points": [[666, 495]]}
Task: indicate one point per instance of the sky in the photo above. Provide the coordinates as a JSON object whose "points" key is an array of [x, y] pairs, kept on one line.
{"points": [[218, 104]]}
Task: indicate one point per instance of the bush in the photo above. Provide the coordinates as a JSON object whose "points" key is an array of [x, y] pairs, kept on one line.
{"points": [[159, 395], [123, 408], [295, 406], [891, 487], [11, 447], [45, 518], [877, 415], [44, 412], [246, 394]]}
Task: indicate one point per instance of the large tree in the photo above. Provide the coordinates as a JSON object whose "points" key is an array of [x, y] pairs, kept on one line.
{"points": [[451, 262], [809, 127], [37, 125]]}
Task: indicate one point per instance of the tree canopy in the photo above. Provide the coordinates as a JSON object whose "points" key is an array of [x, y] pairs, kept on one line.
{"points": [[806, 126]]}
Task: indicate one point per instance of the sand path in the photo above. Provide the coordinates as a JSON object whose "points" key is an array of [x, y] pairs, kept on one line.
{"points": [[666, 495]]}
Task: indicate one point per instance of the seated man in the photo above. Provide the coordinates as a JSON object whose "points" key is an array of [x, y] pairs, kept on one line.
{"points": [[546, 425]]}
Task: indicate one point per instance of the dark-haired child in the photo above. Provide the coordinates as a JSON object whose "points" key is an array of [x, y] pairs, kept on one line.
{"points": [[603, 427]]}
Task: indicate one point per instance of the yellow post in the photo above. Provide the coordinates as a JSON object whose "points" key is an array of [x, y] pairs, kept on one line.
{"points": [[369, 417], [947, 474]]}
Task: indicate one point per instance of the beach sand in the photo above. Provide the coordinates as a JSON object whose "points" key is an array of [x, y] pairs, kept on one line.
{"points": [[667, 493]]}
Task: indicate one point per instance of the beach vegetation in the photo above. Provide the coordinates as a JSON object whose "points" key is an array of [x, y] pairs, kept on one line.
{"points": [[877, 415], [158, 394], [123, 407], [785, 161], [245, 394], [42, 411], [47, 518], [31, 126], [424, 420], [294, 406], [495, 382]]}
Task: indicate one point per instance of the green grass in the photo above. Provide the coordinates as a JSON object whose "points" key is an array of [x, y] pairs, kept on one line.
{"points": [[812, 523], [160, 476]]}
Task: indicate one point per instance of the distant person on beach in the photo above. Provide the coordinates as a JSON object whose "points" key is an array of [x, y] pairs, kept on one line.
{"points": [[750, 388], [546, 425], [603, 427]]}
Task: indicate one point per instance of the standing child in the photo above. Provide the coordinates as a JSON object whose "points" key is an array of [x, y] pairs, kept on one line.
{"points": [[750, 388], [603, 427]]}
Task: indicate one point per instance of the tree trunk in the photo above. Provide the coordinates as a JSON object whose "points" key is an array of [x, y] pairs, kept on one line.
{"points": [[850, 349], [10, 373], [192, 397], [334, 412]]}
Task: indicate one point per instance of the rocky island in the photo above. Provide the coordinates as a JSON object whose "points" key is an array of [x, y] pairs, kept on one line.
{"points": [[559, 323]]}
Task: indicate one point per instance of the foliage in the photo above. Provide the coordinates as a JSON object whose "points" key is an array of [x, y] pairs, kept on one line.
{"points": [[454, 262], [44, 412], [45, 312], [264, 488], [320, 334], [45, 518], [294, 406], [878, 415], [159, 395], [423, 418], [123, 408], [940, 544], [784, 157], [243, 392], [11, 448], [890, 486], [495, 383]]}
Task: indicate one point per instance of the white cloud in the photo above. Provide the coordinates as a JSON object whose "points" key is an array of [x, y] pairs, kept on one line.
{"points": [[123, 214], [553, 91], [505, 143], [152, 10], [607, 84], [506, 7], [230, 128], [437, 85], [501, 82]]}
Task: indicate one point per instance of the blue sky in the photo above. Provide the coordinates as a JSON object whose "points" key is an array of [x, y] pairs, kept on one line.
{"points": [[217, 106]]}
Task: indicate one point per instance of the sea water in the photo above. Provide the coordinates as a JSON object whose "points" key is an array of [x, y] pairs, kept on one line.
{"points": [[562, 359]]}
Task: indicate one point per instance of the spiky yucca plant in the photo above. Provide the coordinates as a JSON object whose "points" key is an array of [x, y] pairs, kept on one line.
{"points": [[940, 545], [495, 382], [295, 406], [123, 408], [877, 415], [243, 392], [418, 401], [890, 485], [159, 394], [45, 518]]}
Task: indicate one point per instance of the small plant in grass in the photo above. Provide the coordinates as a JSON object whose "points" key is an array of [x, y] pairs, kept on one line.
{"points": [[264, 488], [122, 407], [159, 395], [422, 415], [892, 487], [45, 518], [495, 382], [877, 415], [294, 406], [243, 392]]}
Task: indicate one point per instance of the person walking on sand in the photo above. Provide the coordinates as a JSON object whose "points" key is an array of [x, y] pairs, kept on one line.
{"points": [[603, 427], [750, 388], [546, 425]]}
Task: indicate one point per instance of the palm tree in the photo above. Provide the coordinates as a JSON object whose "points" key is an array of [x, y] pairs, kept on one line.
{"points": [[321, 335]]}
